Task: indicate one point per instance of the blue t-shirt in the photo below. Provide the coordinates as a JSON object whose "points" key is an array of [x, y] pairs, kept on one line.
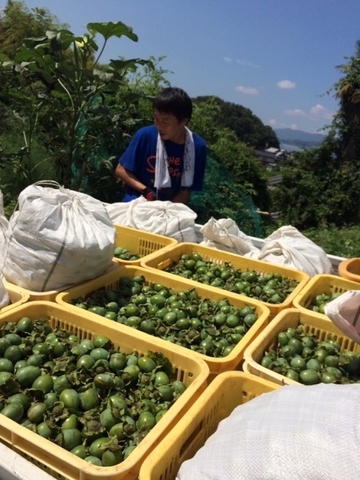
{"points": [[140, 157]]}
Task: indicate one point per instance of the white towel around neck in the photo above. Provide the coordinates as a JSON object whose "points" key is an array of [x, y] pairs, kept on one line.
{"points": [[162, 176]]}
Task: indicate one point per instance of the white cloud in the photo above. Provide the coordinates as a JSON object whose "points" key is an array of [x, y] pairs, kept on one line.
{"points": [[274, 124], [227, 59], [247, 90], [247, 63], [286, 84], [320, 112], [296, 112]]}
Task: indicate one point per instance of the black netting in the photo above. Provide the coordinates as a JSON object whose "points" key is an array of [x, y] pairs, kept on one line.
{"points": [[221, 199]]}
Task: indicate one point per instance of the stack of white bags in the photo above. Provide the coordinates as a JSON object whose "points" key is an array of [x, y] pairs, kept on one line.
{"points": [[174, 220], [56, 238], [286, 246]]}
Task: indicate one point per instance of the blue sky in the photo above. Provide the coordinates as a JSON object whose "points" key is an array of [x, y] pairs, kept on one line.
{"points": [[277, 58]]}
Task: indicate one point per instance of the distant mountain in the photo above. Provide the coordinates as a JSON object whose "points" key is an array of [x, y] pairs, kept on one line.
{"points": [[299, 138]]}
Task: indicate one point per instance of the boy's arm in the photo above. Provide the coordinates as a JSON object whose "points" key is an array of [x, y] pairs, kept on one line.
{"points": [[130, 179]]}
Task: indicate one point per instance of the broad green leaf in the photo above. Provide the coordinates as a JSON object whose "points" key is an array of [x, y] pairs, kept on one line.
{"points": [[30, 54], [24, 54], [113, 86], [61, 40], [56, 43], [34, 39], [32, 42], [64, 32], [111, 29], [123, 64], [56, 39]]}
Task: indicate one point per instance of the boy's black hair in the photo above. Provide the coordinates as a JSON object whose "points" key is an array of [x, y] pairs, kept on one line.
{"points": [[174, 101]]}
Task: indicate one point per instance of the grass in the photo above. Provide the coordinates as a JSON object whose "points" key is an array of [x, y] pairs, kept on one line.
{"points": [[341, 242], [18, 168]]}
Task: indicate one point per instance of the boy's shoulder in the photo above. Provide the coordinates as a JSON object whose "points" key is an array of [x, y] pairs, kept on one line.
{"points": [[147, 132]]}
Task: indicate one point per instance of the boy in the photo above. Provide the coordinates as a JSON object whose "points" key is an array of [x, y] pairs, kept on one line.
{"points": [[164, 161]]}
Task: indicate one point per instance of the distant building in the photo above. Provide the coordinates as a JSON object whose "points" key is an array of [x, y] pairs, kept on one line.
{"points": [[271, 155]]}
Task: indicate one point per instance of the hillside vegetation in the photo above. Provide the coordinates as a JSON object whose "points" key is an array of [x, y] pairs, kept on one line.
{"points": [[247, 127]]}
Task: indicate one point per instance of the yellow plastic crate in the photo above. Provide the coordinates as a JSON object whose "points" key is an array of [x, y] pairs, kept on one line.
{"points": [[291, 318], [350, 269], [17, 296], [48, 295], [111, 281], [319, 284], [159, 261], [139, 243], [59, 462], [227, 391]]}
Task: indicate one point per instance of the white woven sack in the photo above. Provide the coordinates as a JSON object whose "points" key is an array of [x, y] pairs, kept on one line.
{"points": [[174, 220], [57, 238], [4, 296], [344, 312], [290, 248], [224, 234], [4, 227], [118, 212], [295, 432]]}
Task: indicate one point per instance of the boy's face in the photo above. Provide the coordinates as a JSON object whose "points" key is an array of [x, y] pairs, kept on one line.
{"points": [[169, 127]]}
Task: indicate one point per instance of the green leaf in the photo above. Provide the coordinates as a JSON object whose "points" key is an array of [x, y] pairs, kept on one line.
{"points": [[32, 54], [55, 43], [123, 64], [53, 33], [34, 39], [61, 40], [23, 55], [57, 94], [46, 76], [111, 29]]}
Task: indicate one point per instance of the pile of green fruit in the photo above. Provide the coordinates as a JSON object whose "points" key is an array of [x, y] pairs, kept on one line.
{"points": [[319, 301], [206, 326], [306, 359], [84, 395], [266, 287], [124, 254]]}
